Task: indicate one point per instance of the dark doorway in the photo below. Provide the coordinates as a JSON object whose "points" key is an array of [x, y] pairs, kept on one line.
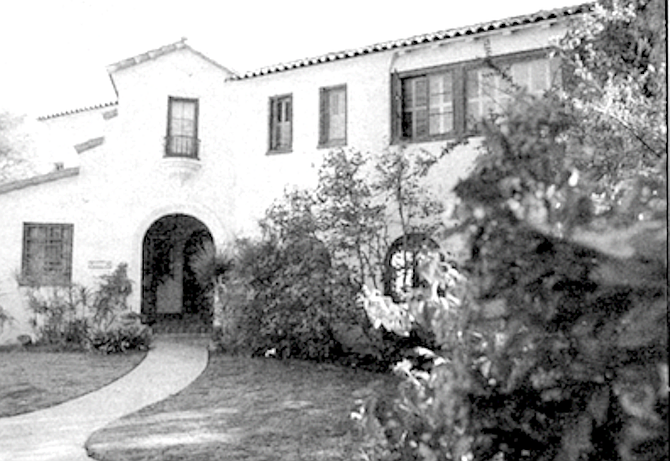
{"points": [[172, 298]]}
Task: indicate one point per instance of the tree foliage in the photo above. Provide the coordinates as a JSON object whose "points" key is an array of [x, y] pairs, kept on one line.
{"points": [[12, 161], [616, 88], [555, 348]]}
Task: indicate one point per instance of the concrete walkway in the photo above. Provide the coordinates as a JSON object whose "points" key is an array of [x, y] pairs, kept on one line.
{"points": [[59, 433]]}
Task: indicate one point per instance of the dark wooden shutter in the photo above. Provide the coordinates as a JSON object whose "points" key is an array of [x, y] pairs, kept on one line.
{"points": [[396, 107], [323, 116]]}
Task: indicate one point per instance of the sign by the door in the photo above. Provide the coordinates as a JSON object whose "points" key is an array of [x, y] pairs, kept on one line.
{"points": [[99, 265]]}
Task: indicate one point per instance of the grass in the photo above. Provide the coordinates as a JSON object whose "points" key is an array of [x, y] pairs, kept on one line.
{"points": [[248, 410], [32, 380]]}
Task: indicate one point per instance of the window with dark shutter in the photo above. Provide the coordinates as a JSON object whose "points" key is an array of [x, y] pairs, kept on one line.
{"points": [[450, 101], [427, 106], [333, 116], [281, 129], [47, 253], [182, 131]]}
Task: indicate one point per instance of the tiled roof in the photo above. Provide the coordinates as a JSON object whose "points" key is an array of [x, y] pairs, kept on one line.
{"points": [[158, 52], [36, 180], [76, 111], [422, 39]]}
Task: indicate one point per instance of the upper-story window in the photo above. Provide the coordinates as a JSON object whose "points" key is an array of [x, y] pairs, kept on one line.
{"points": [[333, 116], [444, 102], [489, 91], [182, 131], [427, 105], [281, 123], [47, 253]]}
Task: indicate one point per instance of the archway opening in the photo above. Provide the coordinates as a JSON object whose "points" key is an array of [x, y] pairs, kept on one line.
{"points": [[400, 265], [173, 299]]}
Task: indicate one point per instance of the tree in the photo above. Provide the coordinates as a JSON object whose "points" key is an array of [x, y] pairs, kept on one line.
{"points": [[351, 221], [12, 161], [617, 90], [557, 347]]}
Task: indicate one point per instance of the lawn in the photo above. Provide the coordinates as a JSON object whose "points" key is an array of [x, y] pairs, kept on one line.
{"points": [[32, 380], [247, 409]]}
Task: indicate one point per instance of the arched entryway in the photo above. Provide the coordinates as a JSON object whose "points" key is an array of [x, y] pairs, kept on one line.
{"points": [[401, 263], [172, 297]]}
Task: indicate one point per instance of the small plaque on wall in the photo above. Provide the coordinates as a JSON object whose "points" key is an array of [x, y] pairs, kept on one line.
{"points": [[99, 265]]}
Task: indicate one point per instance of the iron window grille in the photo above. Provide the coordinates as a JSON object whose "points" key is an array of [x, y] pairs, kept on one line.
{"points": [[47, 253]]}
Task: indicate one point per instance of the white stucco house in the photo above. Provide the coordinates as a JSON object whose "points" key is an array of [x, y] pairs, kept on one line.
{"points": [[191, 151]]}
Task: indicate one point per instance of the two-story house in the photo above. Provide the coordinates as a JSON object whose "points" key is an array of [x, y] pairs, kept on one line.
{"points": [[191, 151]]}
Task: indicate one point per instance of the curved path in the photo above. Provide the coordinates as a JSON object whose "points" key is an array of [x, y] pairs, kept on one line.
{"points": [[59, 433]]}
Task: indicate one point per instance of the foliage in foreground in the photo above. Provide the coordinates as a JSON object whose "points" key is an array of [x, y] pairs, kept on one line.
{"points": [[555, 348], [74, 317]]}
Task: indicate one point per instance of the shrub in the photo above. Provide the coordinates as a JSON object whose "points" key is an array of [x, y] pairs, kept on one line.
{"points": [[127, 333], [288, 299], [111, 295], [59, 315], [75, 317]]}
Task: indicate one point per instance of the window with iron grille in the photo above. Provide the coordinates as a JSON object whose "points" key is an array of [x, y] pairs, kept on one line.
{"points": [[182, 130], [281, 123], [47, 253], [333, 116], [450, 101]]}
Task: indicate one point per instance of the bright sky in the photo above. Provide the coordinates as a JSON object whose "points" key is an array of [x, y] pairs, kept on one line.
{"points": [[54, 52]]}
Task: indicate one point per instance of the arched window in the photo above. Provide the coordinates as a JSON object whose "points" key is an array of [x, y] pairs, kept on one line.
{"points": [[400, 264]]}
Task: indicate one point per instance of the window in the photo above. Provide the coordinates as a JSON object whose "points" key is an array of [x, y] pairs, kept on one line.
{"points": [[427, 106], [182, 131], [281, 117], [444, 102], [489, 91], [47, 253], [333, 116], [401, 264]]}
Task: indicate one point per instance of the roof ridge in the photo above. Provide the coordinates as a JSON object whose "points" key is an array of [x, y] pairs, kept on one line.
{"points": [[443, 34], [161, 51]]}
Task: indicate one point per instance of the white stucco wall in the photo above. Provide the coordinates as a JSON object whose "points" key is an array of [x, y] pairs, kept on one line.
{"points": [[126, 184]]}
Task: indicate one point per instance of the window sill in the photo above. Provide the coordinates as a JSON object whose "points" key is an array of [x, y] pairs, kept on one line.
{"points": [[180, 167], [447, 137], [279, 151], [331, 144], [32, 282]]}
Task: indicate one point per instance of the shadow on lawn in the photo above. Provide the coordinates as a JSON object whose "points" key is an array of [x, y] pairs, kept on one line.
{"points": [[246, 409]]}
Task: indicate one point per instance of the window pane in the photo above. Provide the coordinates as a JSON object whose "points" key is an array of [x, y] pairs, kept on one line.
{"points": [[408, 93], [420, 123], [420, 92], [336, 116], [489, 92], [441, 105], [280, 123]]}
